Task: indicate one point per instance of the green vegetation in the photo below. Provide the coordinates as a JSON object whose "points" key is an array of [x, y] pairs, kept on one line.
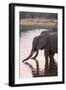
{"points": [[30, 27], [36, 20], [25, 27]]}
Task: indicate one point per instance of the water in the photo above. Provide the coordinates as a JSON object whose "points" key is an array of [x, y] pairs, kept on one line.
{"points": [[26, 39]]}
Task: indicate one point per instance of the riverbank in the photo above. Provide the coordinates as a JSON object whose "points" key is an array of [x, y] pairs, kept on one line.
{"points": [[29, 24]]}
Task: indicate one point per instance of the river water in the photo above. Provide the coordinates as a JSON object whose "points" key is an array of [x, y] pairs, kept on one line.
{"points": [[26, 39]]}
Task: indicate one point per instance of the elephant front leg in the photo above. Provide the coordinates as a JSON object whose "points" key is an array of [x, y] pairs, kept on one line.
{"points": [[46, 62]]}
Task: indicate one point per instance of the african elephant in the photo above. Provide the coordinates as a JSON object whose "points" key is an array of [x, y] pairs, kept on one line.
{"points": [[47, 41]]}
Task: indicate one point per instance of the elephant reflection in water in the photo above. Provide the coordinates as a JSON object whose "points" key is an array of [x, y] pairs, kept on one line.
{"points": [[46, 41]]}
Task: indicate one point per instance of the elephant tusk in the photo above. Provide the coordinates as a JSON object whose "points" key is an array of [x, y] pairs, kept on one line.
{"points": [[28, 56]]}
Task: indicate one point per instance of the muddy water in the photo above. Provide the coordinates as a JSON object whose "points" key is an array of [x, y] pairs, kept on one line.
{"points": [[26, 39]]}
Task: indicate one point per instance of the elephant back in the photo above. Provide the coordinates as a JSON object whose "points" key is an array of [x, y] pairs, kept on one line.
{"points": [[53, 41], [44, 33]]}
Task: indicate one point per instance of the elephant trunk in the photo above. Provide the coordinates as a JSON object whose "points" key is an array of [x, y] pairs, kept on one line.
{"points": [[29, 56]]}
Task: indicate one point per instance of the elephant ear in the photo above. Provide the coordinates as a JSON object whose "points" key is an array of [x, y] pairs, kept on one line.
{"points": [[42, 41]]}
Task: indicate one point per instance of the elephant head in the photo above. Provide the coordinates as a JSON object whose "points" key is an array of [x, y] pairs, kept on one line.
{"points": [[39, 42], [42, 41]]}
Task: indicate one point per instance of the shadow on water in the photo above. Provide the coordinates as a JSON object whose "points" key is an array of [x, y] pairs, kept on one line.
{"points": [[53, 70], [37, 73]]}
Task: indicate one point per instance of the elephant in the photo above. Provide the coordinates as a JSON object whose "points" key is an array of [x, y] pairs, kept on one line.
{"points": [[46, 41]]}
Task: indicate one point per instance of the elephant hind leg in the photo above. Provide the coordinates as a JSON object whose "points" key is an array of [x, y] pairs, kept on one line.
{"points": [[52, 66], [46, 62], [52, 61]]}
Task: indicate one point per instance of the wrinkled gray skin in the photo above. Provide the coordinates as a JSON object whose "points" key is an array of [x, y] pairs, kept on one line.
{"points": [[46, 41]]}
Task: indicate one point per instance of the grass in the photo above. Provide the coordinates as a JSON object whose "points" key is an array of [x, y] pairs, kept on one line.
{"points": [[30, 27], [27, 24]]}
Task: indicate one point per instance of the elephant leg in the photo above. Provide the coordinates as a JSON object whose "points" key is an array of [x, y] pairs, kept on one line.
{"points": [[52, 66], [46, 62], [52, 62], [35, 54]]}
